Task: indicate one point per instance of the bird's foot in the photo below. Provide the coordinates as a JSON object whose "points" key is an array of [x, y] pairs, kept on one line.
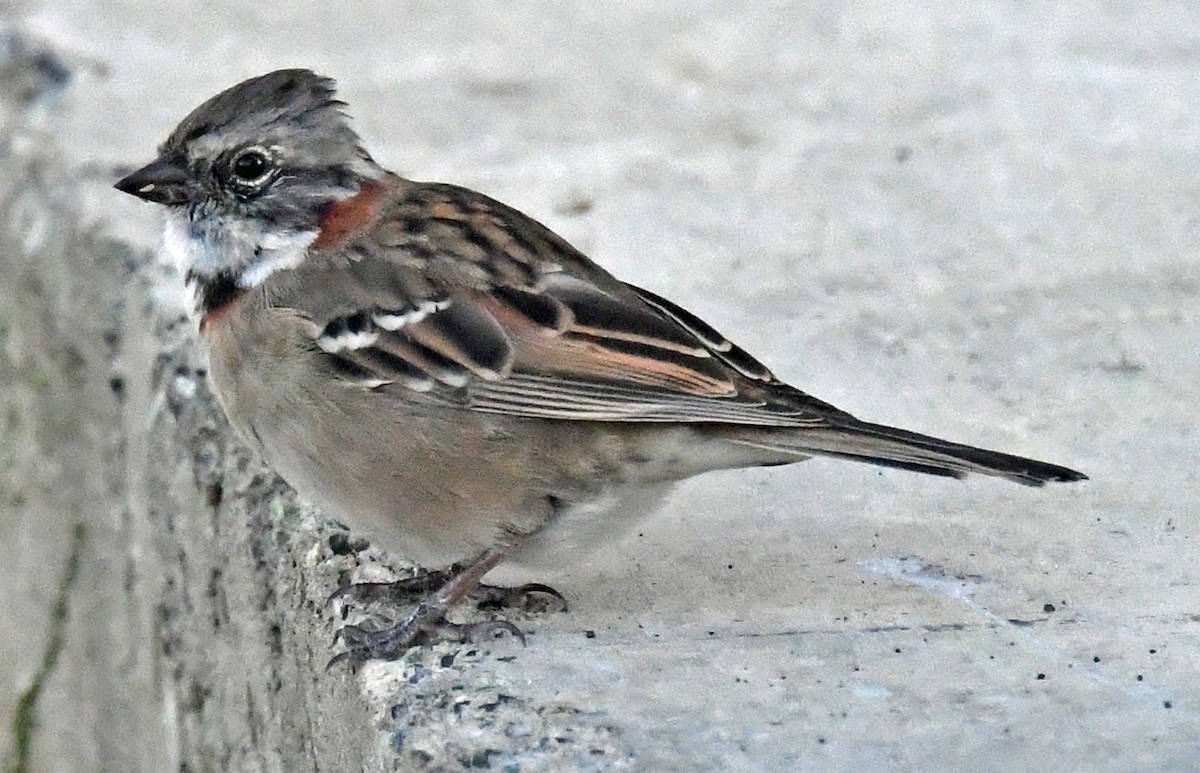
{"points": [[427, 623]]}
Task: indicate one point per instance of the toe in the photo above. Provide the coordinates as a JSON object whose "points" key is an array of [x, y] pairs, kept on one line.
{"points": [[532, 597]]}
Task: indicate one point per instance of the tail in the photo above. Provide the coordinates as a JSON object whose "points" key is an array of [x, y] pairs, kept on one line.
{"points": [[848, 438]]}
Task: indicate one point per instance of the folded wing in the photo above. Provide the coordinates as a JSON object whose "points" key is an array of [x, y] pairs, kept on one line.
{"points": [[470, 302]]}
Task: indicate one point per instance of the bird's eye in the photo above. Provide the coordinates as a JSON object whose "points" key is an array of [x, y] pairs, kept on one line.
{"points": [[250, 167]]}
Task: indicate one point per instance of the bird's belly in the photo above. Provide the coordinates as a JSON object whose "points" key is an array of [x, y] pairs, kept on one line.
{"points": [[428, 488], [434, 486]]}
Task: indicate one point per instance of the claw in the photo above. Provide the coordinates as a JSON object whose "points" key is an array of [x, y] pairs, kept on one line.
{"points": [[492, 597], [540, 587], [343, 657]]}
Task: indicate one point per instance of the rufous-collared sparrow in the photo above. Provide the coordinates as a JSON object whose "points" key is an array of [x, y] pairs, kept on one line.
{"points": [[446, 373]]}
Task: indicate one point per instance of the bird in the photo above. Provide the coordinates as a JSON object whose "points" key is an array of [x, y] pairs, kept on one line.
{"points": [[447, 374]]}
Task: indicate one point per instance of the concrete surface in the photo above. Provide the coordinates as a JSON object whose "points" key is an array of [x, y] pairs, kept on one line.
{"points": [[974, 223]]}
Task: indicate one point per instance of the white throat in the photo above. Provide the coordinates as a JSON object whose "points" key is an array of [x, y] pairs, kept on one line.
{"points": [[250, 253]]}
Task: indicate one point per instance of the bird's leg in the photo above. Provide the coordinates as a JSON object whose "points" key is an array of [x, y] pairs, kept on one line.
{"points": [[428, 621]]}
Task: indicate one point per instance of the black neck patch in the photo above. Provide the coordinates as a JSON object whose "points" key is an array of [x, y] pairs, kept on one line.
{"points": [[216, 292]]}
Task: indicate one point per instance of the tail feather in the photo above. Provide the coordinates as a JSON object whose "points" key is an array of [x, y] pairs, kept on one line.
{"points": [[892, 447]]}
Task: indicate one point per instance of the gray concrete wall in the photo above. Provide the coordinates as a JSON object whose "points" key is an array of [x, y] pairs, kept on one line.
{"points": [[977, 223]]}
